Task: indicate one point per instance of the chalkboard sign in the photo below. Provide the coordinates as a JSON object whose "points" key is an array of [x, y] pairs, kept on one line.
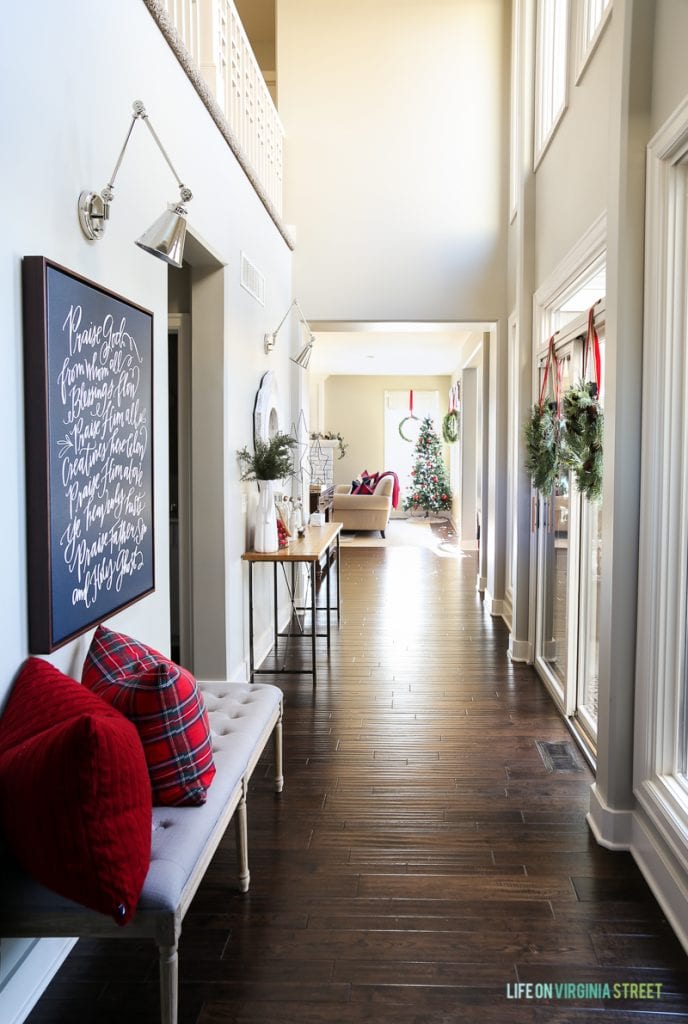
{"points": [[89, 452]]}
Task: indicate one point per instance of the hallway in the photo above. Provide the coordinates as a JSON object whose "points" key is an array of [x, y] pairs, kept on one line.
{"points": [[423, 858]]}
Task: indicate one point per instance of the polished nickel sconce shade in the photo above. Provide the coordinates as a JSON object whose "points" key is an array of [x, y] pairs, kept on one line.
{"points": [[165, 238], [303, 358]]}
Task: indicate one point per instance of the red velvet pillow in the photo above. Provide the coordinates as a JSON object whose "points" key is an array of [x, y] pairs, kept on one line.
{"points": [[75, 798], [164, 703]]}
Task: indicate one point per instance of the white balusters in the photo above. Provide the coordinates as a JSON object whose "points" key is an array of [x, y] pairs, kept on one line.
{"points": [[185, 16], [213, 34]]}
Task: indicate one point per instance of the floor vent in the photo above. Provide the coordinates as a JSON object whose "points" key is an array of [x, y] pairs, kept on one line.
{"points": [[558, 757], [252, 280]]}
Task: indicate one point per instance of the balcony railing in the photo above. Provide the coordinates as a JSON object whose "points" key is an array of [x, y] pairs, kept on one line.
{"points": [[215, 39]]}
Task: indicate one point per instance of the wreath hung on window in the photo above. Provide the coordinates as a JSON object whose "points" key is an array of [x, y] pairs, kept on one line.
{"points": [[541, 432], [450, 426], [406, 419], [401, 427], [582, 409]]}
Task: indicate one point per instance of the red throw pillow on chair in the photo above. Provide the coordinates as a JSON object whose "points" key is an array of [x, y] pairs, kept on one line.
{"points": [[164, 703], [75, 797], [362, 488]]}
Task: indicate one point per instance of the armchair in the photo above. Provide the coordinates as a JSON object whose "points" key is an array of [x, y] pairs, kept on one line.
{"points": [[364, 511]]}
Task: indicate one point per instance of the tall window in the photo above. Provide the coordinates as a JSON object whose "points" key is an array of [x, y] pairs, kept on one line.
{"points": [[515, 124], [550, 70], [661, 769], [592, 17]]}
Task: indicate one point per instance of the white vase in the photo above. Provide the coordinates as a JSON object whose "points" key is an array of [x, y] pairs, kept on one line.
{"points": [[265, 538]]}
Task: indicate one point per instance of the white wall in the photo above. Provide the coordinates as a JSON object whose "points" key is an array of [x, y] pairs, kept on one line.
{"points": [[68, 76], [395, 158], [670, 70]]}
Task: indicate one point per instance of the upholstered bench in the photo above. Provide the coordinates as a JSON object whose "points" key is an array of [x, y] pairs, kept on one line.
{"points": [[242, 719]]}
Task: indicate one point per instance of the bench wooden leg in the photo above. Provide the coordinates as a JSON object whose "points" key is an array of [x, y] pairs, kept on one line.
{"points": [[168, 984], [242, 841], [279, 777]]}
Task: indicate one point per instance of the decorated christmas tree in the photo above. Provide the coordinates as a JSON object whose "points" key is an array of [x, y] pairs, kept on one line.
{"points": [[430, 487]]}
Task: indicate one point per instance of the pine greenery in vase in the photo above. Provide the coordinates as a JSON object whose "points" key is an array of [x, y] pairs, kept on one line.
{"points": [[271, 460], [430, 488]]}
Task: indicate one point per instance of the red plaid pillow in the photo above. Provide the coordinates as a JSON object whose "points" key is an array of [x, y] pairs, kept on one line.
{"points": [[362, 489], [164, 703]]}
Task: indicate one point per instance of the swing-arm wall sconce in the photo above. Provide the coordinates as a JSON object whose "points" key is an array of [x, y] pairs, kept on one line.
{"points": [[303, 358], [165, 238]]}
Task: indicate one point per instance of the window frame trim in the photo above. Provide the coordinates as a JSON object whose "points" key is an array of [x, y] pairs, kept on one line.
{"points": [[584, 52], [662, 634], [543, 138]]}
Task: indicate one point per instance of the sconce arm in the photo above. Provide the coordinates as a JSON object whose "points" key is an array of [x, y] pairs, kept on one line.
{"points": [[94, 207]]}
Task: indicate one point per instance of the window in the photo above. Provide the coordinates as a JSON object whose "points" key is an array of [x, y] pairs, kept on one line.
{"points": [[550, 70], [661, 768], [515, 125], [592, 17], [570, 557]]}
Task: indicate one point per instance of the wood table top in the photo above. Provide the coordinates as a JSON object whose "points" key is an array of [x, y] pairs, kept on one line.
{"points": [[309, 548]]}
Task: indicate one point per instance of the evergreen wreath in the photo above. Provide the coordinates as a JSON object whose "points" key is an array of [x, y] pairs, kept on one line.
{"points": [[585, 421], [541, 433], [583, 441], [450, 427], [401, 427], [541, 436]]}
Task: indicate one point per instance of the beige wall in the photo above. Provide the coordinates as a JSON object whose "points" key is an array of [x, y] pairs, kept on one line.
{"points": [[354, 407], [395, 158], [670, 68]]}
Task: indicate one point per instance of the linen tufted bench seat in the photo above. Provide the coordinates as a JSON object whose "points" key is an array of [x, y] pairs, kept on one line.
{"points": [[242, 718]]}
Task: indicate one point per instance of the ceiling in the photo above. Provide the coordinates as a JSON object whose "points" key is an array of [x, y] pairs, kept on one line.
{"points": [[395, 348]]}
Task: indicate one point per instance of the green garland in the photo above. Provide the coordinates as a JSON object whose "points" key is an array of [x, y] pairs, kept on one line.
{"points": [[582, 448], [541, 436], [450, 427]]}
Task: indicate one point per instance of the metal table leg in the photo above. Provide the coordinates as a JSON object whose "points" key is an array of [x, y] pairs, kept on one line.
{"points": [[250, 621], [339, 600], [329, 601], [313, 626]]}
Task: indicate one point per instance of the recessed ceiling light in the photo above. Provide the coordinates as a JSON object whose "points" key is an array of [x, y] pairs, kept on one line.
{"points": [[370, 357]]}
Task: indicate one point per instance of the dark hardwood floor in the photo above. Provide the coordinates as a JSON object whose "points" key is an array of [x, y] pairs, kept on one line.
{"points": [[422, 861]]}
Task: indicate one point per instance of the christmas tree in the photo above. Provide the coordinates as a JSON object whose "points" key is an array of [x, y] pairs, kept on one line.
{"points": [[430, 487]]}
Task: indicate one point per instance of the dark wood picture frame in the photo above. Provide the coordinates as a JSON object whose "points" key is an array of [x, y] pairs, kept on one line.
{"points": [[88, 410]]}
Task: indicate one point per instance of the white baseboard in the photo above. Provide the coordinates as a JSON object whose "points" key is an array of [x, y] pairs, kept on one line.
{"points": [[26, 983], [611, 828], [668, 884], [481, 584], [520, 650], [494, 606]]}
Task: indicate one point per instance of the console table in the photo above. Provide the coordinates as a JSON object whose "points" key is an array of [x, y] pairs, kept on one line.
{"points": [[317, 542]]}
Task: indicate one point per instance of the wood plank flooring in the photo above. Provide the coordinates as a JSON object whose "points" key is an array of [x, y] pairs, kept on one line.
{"points": [[421, 858]]}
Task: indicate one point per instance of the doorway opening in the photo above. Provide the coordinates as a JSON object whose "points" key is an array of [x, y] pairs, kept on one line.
{"points": [[180, 524]]}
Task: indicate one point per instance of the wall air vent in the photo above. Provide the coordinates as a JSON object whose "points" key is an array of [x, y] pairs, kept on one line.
{"points": [[252, 280]]}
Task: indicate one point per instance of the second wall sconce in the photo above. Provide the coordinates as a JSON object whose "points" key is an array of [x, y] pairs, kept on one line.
{"points": [[304, 356], [165, 238]]}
